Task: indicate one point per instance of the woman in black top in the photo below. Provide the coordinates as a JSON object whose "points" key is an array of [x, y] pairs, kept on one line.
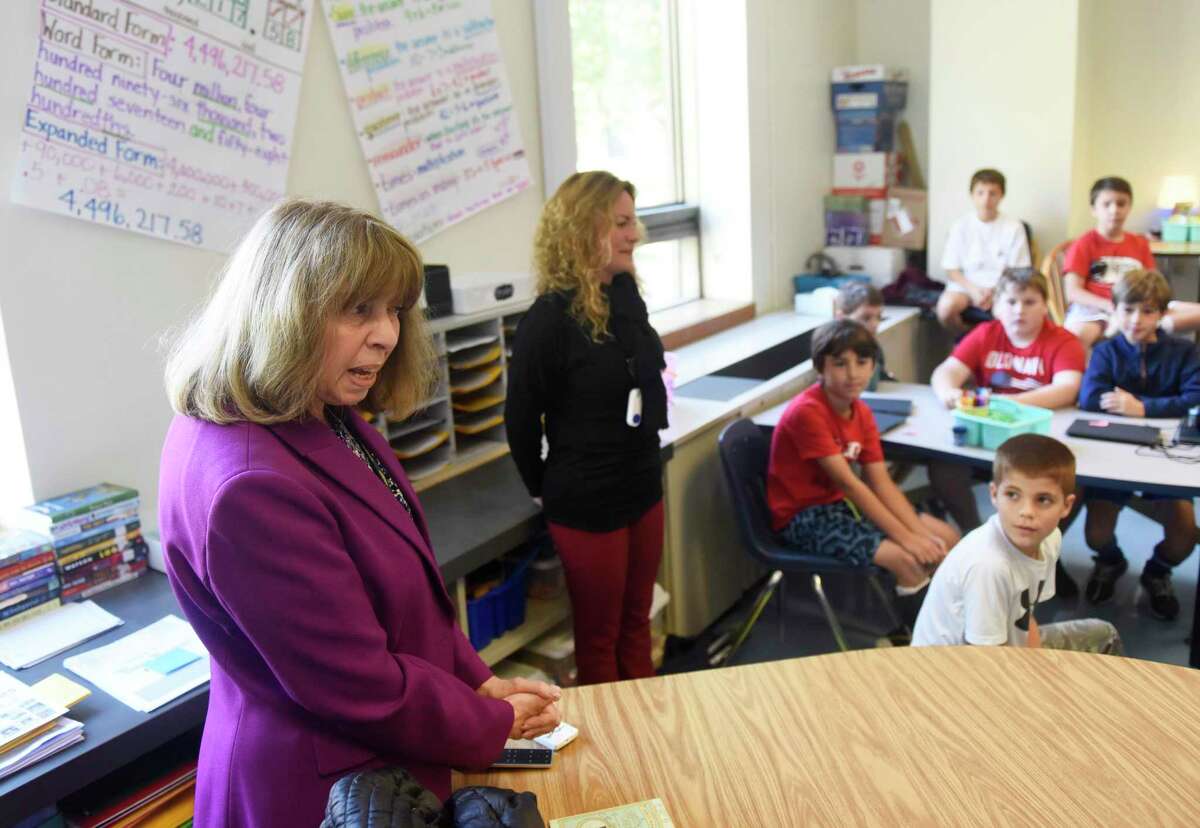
{"points": [[586, 372]]}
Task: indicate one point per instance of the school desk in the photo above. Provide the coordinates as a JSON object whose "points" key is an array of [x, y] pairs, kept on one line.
{"points": [[927, 435], [912, 736]]}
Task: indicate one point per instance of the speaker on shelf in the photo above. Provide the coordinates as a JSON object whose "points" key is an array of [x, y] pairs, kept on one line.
{"points": [[437, 291]]}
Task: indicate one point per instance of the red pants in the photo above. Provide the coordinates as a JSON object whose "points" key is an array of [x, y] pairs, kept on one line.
{"points": [[610, 576]]}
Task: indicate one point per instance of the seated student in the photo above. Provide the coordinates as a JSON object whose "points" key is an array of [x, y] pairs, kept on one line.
{"points": [[987, 590], [864, 304], [1142, 372], [1021, 354], [818, 503], [980, 246], [1098, 259]]}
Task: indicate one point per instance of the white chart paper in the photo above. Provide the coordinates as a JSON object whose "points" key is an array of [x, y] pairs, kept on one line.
{"points": [[32, 642], [431, 103], [173, 119]]}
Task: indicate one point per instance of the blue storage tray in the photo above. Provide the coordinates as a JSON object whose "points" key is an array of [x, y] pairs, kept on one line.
{"points": [[808, 282], [500, 609], [987, 432]]}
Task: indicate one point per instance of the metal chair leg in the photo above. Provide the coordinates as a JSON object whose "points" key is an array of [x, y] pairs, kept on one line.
{"points": [[888, 604], [723, 654], [834, 626]]}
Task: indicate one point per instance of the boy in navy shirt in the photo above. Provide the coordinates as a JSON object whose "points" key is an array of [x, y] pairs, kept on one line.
{"points": [[1142, 372]]}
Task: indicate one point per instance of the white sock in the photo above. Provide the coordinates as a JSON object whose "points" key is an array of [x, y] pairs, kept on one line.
{"points": [[911, 590]]}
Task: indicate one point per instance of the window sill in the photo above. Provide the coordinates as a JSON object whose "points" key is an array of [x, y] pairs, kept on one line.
{"points": [[693, 321]]}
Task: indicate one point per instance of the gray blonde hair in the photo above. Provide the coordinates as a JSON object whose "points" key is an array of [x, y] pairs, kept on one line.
{"points": [[253, 353]]}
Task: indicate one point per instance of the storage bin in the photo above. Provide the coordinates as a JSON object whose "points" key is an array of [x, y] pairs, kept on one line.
{"points": [[864, 130], [500, 609], [808, 282], [880, 96], [1176, 231], [475, 292], [989, 427], [878, 265]]}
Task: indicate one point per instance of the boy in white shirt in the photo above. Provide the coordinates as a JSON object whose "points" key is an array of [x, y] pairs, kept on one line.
{"points": [[987, 589], [979, 247]]}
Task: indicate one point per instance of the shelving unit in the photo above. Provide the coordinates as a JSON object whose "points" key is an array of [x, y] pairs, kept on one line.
{"points": [[461, 426], [540, 617]]}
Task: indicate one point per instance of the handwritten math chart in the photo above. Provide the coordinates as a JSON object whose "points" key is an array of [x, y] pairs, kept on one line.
{"points": [[431, 104], [172, 119]]}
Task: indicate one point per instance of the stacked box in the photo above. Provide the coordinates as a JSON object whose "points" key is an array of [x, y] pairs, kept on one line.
{"points": [[29, 583], [97, 536]]}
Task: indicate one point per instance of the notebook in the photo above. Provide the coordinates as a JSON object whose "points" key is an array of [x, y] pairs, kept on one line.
{"points": [[1142, 435], [888, 405], [886, 422]]}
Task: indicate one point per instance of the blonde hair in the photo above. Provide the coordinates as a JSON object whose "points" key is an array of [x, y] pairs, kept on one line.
{"points": [[571, 244], [254, 352]]}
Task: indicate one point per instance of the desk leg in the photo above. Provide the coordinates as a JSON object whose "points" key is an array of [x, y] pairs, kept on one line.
{"points": [[1194, 652]]}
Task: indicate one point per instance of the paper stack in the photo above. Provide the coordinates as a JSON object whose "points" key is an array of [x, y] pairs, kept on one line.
{"points": [[166, 801], [33, 725], [29, 583], [97, 537]]}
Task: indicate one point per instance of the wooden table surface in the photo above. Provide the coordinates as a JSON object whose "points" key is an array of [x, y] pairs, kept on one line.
{"points": [[913, 736]]}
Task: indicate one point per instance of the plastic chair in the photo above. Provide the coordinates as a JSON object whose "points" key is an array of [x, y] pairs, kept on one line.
{"points": [[1052, 270], [744, 448]]}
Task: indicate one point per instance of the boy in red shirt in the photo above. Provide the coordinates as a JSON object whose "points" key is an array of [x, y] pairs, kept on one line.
{"points": [[1100, 257], [818, 503], [1021, 354]]}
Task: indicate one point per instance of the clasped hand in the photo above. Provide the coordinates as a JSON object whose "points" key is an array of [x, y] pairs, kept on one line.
{"points": [[534, 703], [1120, 401]]}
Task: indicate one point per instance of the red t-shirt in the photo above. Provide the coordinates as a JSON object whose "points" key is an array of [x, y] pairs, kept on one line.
{"points": [[1007, 369], [810, 429], [1111, 259]]}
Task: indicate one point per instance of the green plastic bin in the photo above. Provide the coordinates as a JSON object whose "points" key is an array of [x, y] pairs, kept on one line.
{"points": [[988, 428]]}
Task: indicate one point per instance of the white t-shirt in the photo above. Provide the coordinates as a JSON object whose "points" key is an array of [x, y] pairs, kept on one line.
{"points": [[982, 249], [985, 590]]}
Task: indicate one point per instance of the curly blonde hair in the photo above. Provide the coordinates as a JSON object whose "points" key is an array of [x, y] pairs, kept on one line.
{"points": [[253, 353], [571, 244]]}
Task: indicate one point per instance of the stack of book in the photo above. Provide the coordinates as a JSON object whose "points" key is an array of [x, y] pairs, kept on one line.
{"points": [[97, 537], [33, 720], [29, 583]]}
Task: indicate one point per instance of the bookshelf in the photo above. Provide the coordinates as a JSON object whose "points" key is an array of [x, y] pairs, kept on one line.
{"points": [[461, 426]]}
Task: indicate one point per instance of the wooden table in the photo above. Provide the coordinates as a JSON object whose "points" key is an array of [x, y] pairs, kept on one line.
{"points": [[914, 736]]}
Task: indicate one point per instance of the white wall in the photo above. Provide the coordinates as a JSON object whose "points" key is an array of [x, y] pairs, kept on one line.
{"points": [[896, 33], [84, 306], [1139, 109], [1002, 94]]}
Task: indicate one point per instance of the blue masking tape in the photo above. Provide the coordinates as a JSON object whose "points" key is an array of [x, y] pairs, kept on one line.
{"points": [[172, 660]]}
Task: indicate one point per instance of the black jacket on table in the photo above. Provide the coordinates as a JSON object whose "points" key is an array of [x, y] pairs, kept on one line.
{"points": [[600, 473]]}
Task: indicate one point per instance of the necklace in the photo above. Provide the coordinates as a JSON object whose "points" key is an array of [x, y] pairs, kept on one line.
{"points": [[369, 457]]}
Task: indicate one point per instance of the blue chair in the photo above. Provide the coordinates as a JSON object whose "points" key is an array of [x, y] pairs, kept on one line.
{"points": [[744, 448]]}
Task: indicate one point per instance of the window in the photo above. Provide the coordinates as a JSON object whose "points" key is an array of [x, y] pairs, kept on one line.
{"points": [[611, 99]]}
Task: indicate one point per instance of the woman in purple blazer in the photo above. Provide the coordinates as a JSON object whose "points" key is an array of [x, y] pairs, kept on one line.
{"points": [[296, 545]]}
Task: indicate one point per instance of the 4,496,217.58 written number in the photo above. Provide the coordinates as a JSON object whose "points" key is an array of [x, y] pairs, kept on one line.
{"points": [[111, 212]]}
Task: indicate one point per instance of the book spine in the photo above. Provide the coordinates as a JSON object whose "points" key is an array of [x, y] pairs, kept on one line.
{"points": [[30, 613], [14, 558], [26, 565], [122, 574], [84, 574], [47, 508], [26, 578], [28, 604], [104, 531], [22, 594], [119, 542], [81, 524], [86, 558]]}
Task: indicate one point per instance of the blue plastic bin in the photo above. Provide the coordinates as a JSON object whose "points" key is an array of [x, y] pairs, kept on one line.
{"points": [[499, 610], [987, 432], [860, 130], [808, 282]]}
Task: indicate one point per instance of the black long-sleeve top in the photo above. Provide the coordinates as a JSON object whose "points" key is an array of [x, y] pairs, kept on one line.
{"points": [[600, 474]]}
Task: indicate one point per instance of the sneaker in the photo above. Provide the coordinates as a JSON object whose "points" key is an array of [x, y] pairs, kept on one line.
{"points": [[1163, 603], [1103, 580]]}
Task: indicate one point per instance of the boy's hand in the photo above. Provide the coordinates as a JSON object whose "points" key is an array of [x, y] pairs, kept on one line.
{"points": [[925, 549], [951, 398], [1120, 401], [981, 297]]}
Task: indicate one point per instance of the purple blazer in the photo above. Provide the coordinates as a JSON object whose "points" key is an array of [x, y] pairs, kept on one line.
{"points": [[334, 644]]}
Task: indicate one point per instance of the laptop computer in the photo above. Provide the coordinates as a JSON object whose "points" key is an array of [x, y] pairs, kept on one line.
{"points": [[888, 405], [1096, 429], [1190, 436]]}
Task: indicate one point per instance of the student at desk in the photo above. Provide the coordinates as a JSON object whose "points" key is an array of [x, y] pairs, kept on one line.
{"points": [[295, 544], [1141, 372], [1021, 354]]}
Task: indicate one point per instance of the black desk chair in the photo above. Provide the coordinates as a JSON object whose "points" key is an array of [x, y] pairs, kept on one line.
{"points": [[744, 449]]}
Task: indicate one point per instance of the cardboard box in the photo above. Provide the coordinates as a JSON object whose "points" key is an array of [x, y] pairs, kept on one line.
{"points": [[905, 219], [865, 130], [870, 96], [867, 72], [868, 174], [880, 264], [846, 220]]}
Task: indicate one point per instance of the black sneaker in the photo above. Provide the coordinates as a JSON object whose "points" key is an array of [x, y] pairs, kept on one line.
{"points": [[1163, 603], [1103, 580]]}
